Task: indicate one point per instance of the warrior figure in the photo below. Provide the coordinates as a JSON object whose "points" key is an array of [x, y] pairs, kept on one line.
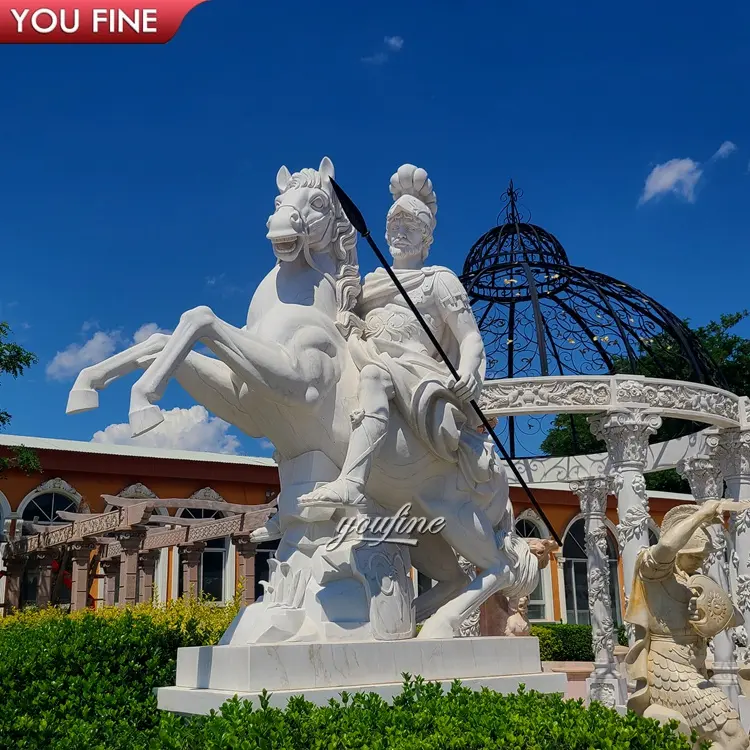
{"points": [[679, 612], [398, 362]]}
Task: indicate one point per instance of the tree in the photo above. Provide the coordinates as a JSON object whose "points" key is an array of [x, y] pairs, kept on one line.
{"points": [[570, 434], [14, 360]]}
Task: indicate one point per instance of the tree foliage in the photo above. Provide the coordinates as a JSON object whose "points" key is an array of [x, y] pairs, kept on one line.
{"points": [[15, 360], [570, 434]]}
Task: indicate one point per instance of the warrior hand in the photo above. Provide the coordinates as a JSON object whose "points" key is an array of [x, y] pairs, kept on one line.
{"points": [[692, 609], [712, 510], [467, 386]]}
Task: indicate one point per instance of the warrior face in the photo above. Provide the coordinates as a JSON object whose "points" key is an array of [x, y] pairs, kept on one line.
{"points": [[691, 558], [409, 228], [404, 236]]}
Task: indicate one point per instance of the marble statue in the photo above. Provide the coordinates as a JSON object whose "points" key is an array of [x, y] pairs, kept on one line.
{"points": [[316, 369], [679, 610]]}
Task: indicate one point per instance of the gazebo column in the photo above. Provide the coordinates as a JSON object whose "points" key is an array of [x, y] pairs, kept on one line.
{"points": [[131, 544], [110, 569], [706, 483], [190, 557], [626, 435], [605, 685], [14, 568], [732, 449], [246, 567], [80, 553], [146, 570], [44, 581]]}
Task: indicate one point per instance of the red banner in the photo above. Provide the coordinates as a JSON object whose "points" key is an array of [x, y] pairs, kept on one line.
{"points": [[92, 21]]}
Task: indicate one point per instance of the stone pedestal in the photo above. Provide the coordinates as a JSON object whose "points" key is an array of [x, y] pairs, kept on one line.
{"points": [[207, 676]]}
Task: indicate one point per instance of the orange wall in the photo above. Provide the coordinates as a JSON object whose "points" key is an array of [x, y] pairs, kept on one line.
{"points": [[94, 475]]}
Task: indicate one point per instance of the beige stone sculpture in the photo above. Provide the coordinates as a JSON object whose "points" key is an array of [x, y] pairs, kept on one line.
{"points": [[679, 610]]}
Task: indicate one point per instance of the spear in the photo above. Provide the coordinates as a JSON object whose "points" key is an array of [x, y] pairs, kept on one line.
{"points": [[358, 222]]}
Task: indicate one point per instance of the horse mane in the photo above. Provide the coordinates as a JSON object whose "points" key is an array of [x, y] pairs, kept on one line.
{"points": [[346, 281]]}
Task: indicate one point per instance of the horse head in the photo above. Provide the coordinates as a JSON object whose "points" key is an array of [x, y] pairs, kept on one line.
{"points": [[308, 221]]}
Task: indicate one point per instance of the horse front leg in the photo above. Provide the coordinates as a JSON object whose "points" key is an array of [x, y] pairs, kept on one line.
{"points": [[265, 366], [208, 381], [84, 395]]}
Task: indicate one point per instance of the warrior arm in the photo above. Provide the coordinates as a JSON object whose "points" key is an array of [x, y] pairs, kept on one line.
{"points": [[672, 541], [458, 316]]}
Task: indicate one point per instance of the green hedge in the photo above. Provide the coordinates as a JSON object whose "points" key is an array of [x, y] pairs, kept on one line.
{"points": [[85, 682], [561, 642]]}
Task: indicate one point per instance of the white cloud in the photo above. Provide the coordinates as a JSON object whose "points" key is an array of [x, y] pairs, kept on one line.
{"points": [[146, 330], [678, 176], [66, 364], [726, 149], [392, 44], [192, 429], [71, 360]]}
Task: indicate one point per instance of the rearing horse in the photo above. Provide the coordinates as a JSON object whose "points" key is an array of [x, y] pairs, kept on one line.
{"points": [[287, 375]]}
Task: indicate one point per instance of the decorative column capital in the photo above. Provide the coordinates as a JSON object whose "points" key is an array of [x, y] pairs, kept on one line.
{"points": [[592, 494], [131, 540], [704, 475], [81, 550], [626, 434], [191, 553], [244, 545], [732, 449]]}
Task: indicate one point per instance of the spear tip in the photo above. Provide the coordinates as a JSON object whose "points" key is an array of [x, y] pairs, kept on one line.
{"points": [[352, 212]]}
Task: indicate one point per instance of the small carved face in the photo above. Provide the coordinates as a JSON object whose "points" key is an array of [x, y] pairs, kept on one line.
{"points": [[304, 215], [404, 235], [542, 549]]}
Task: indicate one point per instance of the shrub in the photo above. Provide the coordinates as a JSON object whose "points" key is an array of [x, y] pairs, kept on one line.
{"points": [[562, 642], [86, 680], [422, 717]]}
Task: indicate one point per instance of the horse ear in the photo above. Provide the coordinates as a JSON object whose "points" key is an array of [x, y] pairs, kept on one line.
{"points": [[326, 169], [282, 179]]}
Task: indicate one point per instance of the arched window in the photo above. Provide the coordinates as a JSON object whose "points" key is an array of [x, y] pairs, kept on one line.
{"points": [[212, 574], [45, 508], [576, 575], [528, 529], [42, 507]]}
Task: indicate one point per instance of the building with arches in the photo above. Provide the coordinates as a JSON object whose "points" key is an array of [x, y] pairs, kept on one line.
{"points": [[77, 474]]}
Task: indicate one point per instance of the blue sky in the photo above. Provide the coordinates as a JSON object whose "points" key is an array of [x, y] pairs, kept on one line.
{"points": [[136, 180]]}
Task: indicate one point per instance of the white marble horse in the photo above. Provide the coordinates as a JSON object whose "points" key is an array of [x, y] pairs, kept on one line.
{"points": [[287, 375]]}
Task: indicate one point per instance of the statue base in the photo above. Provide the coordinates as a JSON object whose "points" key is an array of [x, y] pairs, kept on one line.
{"points": [[207, 676]]}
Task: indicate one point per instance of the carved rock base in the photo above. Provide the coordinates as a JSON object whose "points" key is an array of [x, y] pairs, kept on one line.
{"points": [[610, 691], [207, 676]]}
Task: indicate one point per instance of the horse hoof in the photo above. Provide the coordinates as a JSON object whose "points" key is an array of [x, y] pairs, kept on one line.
{"points": [[436, 627], [82, 399], [145, 419]]}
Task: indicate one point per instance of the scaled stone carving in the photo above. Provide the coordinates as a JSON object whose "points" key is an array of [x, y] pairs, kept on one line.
{"points": [[365, 418], [680, 610]]}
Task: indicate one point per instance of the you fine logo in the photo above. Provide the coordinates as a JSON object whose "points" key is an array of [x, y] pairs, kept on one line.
{"points": [[379, 529], [92, 21]]}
